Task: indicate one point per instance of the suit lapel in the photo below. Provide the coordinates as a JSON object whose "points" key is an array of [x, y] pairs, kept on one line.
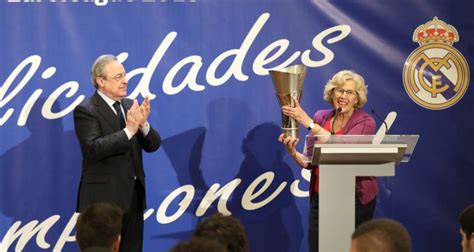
{"points": [[106, 112]]}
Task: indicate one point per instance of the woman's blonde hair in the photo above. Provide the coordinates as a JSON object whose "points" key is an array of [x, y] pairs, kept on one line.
{"points": [[339, 79]]}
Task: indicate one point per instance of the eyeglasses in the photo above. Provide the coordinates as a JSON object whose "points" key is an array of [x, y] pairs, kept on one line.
{"points": [[117, 77], [349, 92]]}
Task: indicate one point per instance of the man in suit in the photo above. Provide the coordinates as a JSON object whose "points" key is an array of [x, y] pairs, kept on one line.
{"points": [[112, 144]]}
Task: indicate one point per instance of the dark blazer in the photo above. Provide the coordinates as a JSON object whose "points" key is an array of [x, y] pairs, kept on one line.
{"points": [[110, 160]]}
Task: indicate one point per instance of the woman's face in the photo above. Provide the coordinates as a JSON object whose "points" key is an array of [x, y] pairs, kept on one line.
{"points": [[345, 97]]}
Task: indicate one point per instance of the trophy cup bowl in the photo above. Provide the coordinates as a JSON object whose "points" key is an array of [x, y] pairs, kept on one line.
{"points": [[288, 84]]}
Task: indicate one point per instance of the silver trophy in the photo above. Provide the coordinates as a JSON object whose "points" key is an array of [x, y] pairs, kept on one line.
{"points": [[288, 83]]}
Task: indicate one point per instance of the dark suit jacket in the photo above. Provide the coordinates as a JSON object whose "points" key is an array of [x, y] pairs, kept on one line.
{"points": [[110, 160]]}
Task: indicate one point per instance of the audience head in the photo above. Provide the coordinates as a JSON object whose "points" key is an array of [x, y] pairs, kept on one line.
{"points": [[466, 220], [199, 245], [379, 235], [227, 230], [99, 225]]}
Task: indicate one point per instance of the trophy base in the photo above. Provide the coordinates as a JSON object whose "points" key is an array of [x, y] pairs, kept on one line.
{"points": [[291, 132]]}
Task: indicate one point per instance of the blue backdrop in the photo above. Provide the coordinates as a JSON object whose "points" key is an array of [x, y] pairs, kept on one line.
{"points": [[204, 64]]}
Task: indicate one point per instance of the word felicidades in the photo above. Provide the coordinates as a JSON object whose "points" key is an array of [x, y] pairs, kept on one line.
{"points": [[189, 67]]}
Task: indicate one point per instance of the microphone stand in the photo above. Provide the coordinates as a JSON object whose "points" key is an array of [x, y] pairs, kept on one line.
{"points": [[380, 118], [336, 113]]}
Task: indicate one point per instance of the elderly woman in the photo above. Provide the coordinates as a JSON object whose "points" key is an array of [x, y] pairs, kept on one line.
{"points": [[347, 94]]}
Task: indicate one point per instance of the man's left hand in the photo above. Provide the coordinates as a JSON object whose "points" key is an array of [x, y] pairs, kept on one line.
{"points": [[144, 112]]}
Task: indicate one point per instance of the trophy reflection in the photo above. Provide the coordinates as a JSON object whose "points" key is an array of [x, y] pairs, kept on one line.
{"points": [[288, 84]]}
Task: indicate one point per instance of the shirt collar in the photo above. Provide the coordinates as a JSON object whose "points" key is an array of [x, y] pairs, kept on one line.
{"points": [[107, 99]]}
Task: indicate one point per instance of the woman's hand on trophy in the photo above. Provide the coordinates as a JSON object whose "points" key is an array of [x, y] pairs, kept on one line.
{"points": [[296, 112], [289, 142]]}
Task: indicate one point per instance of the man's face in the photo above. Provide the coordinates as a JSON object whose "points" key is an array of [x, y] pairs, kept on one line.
{"points": [[113, 83], [467, 244]]}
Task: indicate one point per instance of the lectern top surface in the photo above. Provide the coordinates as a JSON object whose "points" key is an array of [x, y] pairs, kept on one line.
{"points": [[363, 141]]}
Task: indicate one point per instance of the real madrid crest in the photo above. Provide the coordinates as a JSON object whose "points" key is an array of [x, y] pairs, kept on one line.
{"points": [[436, 75]]}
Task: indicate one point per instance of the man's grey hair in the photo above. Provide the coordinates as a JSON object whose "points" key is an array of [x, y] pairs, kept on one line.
{"points": [[98, 67]]}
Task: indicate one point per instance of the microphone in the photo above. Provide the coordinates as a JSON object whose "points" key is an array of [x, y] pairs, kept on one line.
{"points": [[380, 119], [336, 112]]}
